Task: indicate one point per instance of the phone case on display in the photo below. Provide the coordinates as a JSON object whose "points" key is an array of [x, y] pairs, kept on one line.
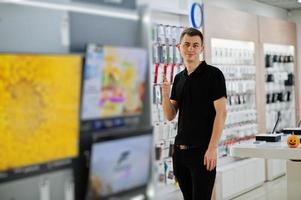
{"points": [[159, 149], [168, 36], [165, 150], [160, 172], [157, 132], [171, 148], [155, 114], [164, 54], [161, 34], [156, 53], [156, 72], [160, 73], [166, 129], [155, 33], [157, 94], [171, 54], [169, 175], [174, 35]]}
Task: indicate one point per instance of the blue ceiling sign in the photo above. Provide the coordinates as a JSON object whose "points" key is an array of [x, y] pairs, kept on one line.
{"points": [[196, 15]]}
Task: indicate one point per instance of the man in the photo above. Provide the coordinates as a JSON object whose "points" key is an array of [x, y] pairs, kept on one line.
{"points": [[199, 93]]}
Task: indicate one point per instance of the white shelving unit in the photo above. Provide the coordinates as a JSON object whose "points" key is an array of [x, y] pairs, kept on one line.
{"points": [[162, 28], [238, 177], [236, 59]]}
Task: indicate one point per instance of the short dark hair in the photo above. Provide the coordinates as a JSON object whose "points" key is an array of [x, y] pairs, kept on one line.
{"points": [[191, 32]]}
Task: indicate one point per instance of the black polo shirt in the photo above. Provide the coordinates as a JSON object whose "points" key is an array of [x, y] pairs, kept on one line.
{"points": [[195, 94]]}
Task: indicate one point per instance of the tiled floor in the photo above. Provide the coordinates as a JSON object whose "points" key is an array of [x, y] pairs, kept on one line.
{"points": [[273, 190]]}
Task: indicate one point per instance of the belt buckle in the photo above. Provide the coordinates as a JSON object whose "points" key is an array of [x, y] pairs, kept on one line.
{"points": [[183, 147]]}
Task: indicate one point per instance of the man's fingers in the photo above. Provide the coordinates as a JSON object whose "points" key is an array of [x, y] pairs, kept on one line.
{"points": [[207, 162], [210, 164], [164, 78]]}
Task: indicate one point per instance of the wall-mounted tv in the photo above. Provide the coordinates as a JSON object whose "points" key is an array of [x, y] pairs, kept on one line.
{"points": [[114, 82], [120, 165], [39, 108]]}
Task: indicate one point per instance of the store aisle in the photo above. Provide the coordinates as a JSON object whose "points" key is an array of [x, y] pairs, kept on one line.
{"points": [[273, 190]]}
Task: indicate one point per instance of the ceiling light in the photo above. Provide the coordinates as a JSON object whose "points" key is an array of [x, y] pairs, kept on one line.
{"points": [[78, 7]]}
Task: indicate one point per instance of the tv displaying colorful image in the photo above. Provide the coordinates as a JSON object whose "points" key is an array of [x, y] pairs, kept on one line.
{"points": [[39, 108], [119, 165], [114, 82]]}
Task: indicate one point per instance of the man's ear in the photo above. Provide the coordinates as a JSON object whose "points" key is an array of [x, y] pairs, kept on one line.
{"points": [[202, 47], [178, 46]]}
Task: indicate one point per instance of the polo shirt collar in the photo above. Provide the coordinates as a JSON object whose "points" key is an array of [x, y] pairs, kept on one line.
{"points": [[202, 66]]}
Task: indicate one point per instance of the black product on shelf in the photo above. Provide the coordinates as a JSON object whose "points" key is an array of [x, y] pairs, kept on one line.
{"points": [[290, 80], [274, 97], [286, 59], [270, 78], [275, 58], [272, 137], [280, 97], [288, 96], [297, 131], [268, 98], [120, 166], [268, 60], [291, 58]]}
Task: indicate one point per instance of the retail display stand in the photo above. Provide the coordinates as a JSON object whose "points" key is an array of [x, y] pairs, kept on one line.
{"points": [[163, 29]]}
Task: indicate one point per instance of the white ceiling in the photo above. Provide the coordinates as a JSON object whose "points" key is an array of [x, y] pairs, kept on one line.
{"points": [[285, 4]]}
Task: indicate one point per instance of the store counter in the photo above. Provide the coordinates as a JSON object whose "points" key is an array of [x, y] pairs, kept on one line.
{"points": [[275, 150]]}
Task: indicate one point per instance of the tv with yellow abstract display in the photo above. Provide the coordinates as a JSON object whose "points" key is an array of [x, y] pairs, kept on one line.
{"points": [[39, 108]]}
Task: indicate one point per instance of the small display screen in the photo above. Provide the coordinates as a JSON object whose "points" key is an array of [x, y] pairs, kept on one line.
{"points": [[120, 165]]}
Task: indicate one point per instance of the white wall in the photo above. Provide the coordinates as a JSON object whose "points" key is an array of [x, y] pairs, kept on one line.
{"points": [[296, 17], [250, 6]]}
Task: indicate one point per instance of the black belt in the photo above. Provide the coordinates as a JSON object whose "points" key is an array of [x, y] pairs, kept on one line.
{"points": [[186, 147]]}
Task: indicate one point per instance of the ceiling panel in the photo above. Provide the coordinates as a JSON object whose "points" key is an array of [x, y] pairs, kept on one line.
{"points": [[286, 4]]}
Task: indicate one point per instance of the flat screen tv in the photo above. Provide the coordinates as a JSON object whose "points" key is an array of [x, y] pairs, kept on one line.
{"points": [[114, 82], [119, 165], [39, 108]]}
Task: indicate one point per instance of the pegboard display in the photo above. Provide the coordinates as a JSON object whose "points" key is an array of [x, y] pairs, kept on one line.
{"points": [[236, 60], [279, 87]]}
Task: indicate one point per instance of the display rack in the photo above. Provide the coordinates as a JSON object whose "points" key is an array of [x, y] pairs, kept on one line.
{"points": [[236, 60], [163, 29], [166, 61], [279, 77]]}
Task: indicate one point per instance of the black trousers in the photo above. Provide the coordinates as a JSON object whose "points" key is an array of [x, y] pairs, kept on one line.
{"points": [[196, 183]]}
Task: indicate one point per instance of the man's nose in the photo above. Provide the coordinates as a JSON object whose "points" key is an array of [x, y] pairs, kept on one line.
{"points": [[190, 48]]}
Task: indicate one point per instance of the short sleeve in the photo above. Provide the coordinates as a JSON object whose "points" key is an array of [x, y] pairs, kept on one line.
{"points": [[219, 86], [173, 95]]}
